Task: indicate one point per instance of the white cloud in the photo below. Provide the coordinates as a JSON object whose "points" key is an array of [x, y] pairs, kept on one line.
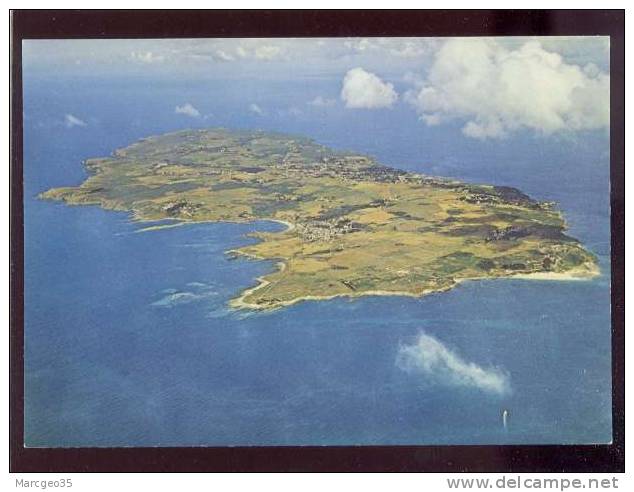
{"points": [[300, 56], [430, 358], [431, 119], [147, 57], [188, 110], [322, 102], [255, 109], [399, 47], [359, 44], [71, 121], [580, 49], [222, 55], [250, 49], [266, 52], [413, 48], [497, 90], [363, 89]]}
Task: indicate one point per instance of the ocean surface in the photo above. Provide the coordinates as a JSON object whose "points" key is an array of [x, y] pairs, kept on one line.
{"points": [[129, 341]]}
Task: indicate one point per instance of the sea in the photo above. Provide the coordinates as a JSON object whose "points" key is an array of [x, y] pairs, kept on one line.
{"points": [[129, 340]]}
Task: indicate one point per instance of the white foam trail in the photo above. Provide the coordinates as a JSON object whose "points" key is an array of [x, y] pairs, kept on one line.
{"points": [[175, 298], [440, 365], [197, 285]]}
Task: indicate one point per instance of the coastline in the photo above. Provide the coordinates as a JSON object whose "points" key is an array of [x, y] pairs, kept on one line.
{"points": [[289, 225], [162, 226], [180, 222], [578, 274], [585, 272], [538, 218]]}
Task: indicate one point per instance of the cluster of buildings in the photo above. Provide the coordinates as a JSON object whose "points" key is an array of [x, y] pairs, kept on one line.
{"points": [[181, 208], [326, 230]]}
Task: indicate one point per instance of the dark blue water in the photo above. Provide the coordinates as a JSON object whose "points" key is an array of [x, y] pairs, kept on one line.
{"points": [[128, 340]]}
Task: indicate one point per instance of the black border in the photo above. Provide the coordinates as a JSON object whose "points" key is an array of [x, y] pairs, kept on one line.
{"points": [[49, 24]]}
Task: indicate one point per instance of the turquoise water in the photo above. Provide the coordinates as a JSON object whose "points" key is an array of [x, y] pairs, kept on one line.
{"points": [[129, 342]]}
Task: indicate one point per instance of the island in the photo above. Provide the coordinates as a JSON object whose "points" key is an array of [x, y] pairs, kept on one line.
{"points": [[354, 227]]}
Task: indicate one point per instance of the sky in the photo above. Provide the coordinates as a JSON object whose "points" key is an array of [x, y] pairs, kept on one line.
{"points": [[491, 87]]}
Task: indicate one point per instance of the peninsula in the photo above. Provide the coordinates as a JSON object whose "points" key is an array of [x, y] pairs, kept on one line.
{"points": [[354, 227]]}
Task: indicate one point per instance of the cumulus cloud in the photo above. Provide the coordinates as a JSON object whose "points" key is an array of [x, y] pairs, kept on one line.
{"points": [[497, 90], [321, 102], [256, 50], [188, 110], [267, 52], [440, 365], [255, 109], [223, 55], [363, 89], [580, 50], [410, 47], [359, 44], [147, 57], [398, 47], [71, 121]]}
